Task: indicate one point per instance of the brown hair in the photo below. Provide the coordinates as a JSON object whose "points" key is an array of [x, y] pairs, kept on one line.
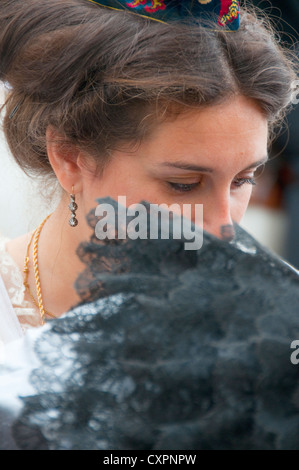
{"points": [[101, 78]]}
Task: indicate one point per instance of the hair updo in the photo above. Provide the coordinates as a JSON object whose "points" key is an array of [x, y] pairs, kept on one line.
{"points": [[104, 78]]}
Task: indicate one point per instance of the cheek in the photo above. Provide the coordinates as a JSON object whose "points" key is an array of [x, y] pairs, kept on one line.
{"points": [[133, 185], [240, 202]]}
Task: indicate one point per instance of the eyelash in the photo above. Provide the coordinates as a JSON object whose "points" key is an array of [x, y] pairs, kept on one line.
{"points": [[240, 181], [183, 187]]}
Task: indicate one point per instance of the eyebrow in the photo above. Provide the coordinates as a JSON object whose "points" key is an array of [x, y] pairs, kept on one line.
{"points": [[191, 167]]}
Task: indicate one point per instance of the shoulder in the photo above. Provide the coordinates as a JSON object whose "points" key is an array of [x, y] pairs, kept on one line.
{"points": [[3, 241], [16, 248], [12, 257]]}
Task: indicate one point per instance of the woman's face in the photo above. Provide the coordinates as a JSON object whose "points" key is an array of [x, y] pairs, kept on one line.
{"points": [[206, 157]]}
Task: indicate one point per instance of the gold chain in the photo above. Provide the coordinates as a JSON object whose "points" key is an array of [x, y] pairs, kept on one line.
{"points": [[39, 304]]}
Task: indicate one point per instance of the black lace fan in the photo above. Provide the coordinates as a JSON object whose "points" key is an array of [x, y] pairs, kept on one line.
{"points": [[169, 349]]}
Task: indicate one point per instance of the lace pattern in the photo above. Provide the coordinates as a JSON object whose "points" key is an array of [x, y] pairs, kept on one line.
{"points": [[26, 311], [169, 349]]}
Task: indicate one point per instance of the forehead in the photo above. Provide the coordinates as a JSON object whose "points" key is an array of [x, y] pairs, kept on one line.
{"points": [[235, 131]]}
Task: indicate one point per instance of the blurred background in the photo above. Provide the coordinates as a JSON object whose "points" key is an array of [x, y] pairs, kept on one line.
{"points": [[23, 201], [273, 215]]}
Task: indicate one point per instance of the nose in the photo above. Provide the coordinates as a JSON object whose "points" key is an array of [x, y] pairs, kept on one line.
{"points": [[217, 218]]}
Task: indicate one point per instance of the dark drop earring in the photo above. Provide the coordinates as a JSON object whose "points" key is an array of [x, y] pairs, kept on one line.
{"points": [[73, 207]]}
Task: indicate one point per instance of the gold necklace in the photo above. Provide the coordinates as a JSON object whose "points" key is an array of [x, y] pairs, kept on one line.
{"points": [[39, 304]]}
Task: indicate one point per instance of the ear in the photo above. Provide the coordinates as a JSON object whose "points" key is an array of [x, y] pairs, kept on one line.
{"points": [[65, 159]]}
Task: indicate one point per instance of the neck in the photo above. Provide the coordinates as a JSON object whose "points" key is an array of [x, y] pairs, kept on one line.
{"points": [[59, 265]]}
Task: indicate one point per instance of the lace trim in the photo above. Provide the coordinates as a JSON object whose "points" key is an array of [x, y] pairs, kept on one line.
{"points": [[26, 311]]}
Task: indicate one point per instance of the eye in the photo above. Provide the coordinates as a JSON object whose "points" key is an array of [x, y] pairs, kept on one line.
{"points": [[183, 187], [238, 182]]}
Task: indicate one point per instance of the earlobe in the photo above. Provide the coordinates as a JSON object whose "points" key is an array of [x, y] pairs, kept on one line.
{"points": [[64, 158]]}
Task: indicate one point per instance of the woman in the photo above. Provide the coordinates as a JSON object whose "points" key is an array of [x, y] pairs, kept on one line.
{"points": [[112, 103]]}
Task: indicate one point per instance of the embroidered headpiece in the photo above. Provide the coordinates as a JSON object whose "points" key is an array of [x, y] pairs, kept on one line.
{"points": [[225, 12]]}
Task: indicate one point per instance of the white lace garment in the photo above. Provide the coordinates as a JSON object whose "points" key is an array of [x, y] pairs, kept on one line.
{"points": [[27, 313]]}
